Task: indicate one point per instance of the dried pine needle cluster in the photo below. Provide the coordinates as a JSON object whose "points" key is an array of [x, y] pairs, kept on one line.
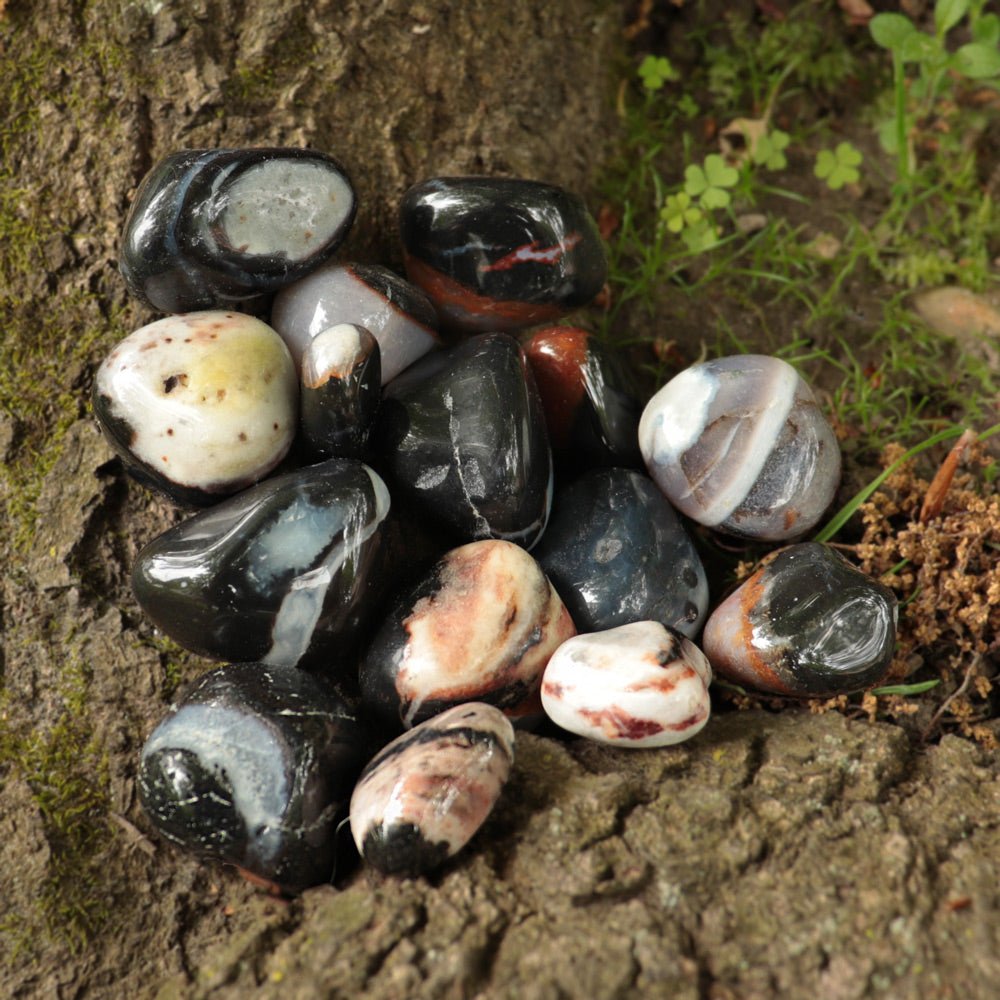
{"points": [[945, 569]]}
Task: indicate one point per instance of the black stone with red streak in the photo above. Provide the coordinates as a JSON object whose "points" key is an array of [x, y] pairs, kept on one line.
{"points": [[500, 254], [591, 406]]}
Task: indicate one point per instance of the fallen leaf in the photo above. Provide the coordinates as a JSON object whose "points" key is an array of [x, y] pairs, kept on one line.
{"points": [[858, 12], [738, 140]]}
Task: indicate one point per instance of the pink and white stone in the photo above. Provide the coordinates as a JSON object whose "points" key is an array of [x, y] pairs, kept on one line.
{"points": [[479, 627], [200, 405], [421, 799], [638, 685], [740, 444]]}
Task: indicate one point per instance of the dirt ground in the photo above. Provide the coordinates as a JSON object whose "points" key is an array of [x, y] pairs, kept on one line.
{"points": [[778, 854]]}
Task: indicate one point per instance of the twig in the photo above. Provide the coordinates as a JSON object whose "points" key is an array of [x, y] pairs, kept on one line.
{"points": [[135, 835], [957, 693], [941, 483]]}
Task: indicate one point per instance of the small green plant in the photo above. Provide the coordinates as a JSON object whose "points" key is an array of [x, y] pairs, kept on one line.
{"points": [[838, 166], [655, 71], [935, 67]]}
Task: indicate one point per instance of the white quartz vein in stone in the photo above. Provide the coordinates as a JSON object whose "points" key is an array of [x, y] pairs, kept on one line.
{"points": [[302, 605], [482, 529]]}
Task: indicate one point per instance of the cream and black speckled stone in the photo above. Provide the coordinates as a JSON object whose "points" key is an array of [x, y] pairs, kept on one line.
{"points": [[397, 314], [226, 228], [638, 685], [341, 387], [199, 406], [807, 624], [422, 798], [252, 767], [740, 444], [480, 627]]}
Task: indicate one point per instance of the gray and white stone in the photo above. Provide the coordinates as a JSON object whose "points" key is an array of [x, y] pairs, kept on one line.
{"points": [[398, 315], [424, 796], [200, 405], [638, 685], [740, 444]]}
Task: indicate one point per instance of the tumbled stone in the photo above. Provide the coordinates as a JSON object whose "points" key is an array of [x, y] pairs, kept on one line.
{"points": [[199, 406], [616, 552], [286, 573], [226, 228], [421, 799], [590, 403], [808, 623], [479, 627], [463, 438], [740, 444], [500, 254], [341, 386], [251, 768], [638, 685], [398, 315]]}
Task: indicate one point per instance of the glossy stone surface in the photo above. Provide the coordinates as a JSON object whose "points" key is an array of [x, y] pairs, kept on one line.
{"points": [[199, 406], [479, 627], [638, 685], [285, 573], [251, 768], [616, 552], [226, 228], [398, 315], [500, 254], [422, 798], [740, 444], [464, 440], [341, 386], [808, 623], [591, 407]]}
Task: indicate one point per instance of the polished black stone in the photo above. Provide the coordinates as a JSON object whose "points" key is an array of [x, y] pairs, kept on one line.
{"points": [[500, 254], [226, 228], [463, 437], [806, 624], [251, 768], [591, 404], [288, 572], [617, 553], [341, 388]]}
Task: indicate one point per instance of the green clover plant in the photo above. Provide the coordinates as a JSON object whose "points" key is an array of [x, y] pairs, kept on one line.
{"points": [[839, 166], [655, 71]]}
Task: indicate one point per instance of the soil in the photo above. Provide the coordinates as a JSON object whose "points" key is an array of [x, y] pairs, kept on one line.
{"points": [[779, 854]]}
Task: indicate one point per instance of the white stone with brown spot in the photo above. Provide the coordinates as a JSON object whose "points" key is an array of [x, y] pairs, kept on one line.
{"points": [[423, 797], [210, 398], [638, 685]]}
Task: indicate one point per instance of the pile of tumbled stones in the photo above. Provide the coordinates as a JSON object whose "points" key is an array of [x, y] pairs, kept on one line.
{"points": [[375, 467]]}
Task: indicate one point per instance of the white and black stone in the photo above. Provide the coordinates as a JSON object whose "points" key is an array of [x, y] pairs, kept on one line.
{"points": [[499, 253], [589, 398], [740, 444], [286, 573], [479, 627], [463, 438], [252, 768], [421, 799], [341, 386], [226, 228], [397, 314], [807, 624], [638, 685], [199, 406], [616, 552]]}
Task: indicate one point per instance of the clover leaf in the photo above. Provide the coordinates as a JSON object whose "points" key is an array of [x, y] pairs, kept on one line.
{"points": [[769, 150], [678, 212], [656, 71], [701, 236], [708, 183], [839, 166]]}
